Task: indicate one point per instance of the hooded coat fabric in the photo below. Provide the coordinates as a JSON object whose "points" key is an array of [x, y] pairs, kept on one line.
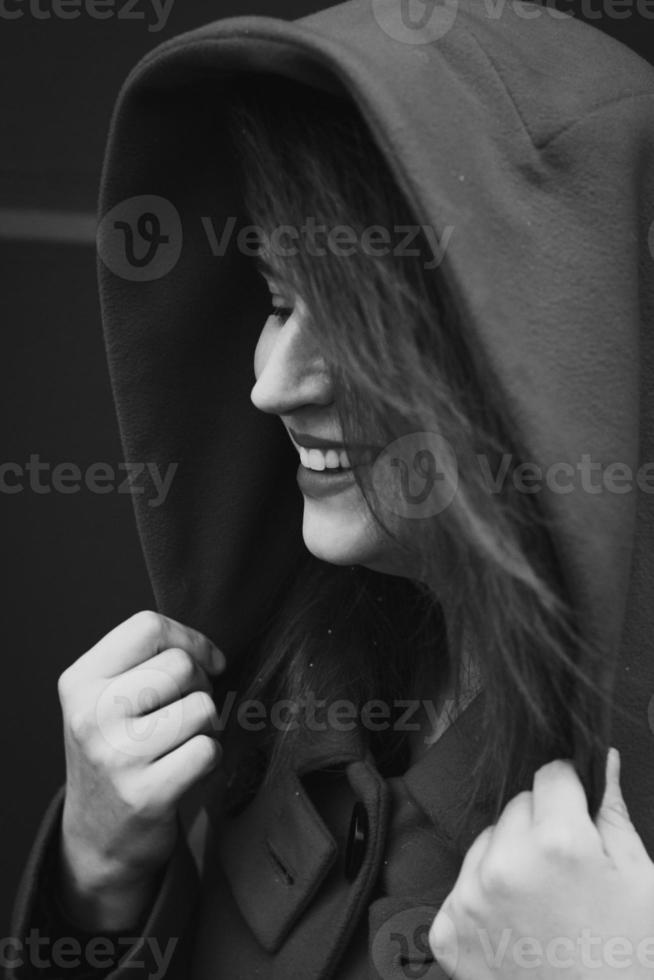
{"points": [[531, 136]]}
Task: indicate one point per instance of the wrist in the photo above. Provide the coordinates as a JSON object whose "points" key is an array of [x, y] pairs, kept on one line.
{"points": [[96, 894]]}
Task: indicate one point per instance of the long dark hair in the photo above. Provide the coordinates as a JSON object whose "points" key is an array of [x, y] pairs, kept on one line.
{"points": [[403, 360]]}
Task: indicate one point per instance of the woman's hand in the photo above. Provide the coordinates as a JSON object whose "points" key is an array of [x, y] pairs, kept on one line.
{"points": [[547, 893], [139, 727]]}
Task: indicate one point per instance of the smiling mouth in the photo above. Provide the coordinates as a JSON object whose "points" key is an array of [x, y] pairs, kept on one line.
{"points": [[330, 461], [333, 460], [328, 455]]}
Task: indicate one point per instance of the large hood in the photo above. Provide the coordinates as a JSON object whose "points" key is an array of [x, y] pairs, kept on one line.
{"points": [[530, 136]]}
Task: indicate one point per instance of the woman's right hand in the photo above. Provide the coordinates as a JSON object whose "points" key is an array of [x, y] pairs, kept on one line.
{"points": [[139, 731]]}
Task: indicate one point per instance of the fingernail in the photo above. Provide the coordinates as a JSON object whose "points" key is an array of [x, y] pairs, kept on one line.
{"points": [[218, 659]]}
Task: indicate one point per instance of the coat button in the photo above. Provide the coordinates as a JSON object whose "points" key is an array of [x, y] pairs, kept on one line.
{"points": [[356, 841]]}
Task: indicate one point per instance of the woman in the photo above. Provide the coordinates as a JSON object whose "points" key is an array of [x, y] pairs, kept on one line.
{"points": [[424, 208]]}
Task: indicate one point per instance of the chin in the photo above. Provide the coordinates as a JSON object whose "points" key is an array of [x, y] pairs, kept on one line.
{"points": [[341, 536]]}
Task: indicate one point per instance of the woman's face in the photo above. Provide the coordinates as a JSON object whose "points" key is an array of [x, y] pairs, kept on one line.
{"points": [[292, 381]]}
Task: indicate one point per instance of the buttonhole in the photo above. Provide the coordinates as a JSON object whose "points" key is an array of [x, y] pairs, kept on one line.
{"points": [[287, 875]]}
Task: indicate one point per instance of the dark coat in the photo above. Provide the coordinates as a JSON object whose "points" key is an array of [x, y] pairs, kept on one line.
{"points": [[331, 870]]}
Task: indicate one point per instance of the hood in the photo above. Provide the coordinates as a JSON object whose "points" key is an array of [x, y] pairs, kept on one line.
{"points": [[528, 133]]}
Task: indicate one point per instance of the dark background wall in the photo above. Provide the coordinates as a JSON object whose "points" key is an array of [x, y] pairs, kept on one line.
{"points": [[72, 567]]}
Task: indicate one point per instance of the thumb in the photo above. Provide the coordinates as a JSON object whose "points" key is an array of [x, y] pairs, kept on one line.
{"points": [[613, 821]]}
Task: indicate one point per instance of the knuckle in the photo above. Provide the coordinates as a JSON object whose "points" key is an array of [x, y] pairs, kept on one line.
{"points": [[149, 623], [181, 665], [102, 756], [498, 878], [558, 843], [65, 684], [82, 726], [521, 800], [467, 899], [133, 796]]}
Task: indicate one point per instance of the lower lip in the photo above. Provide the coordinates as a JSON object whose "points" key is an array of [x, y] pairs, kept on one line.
{"points": [[323, 483]]}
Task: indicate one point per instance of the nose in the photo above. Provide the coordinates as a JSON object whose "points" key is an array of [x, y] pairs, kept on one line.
{"points": [[289, 368]]}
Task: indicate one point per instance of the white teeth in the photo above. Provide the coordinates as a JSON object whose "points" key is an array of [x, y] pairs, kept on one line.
{"points": [[316, 459]]}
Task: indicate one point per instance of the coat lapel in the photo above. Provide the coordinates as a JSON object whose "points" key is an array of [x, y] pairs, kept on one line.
{"points": [[283, 859]]}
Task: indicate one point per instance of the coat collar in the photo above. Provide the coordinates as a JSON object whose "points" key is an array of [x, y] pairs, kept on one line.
{"points": [[284, 854]]}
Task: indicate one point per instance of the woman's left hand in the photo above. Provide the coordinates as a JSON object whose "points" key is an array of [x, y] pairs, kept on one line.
{"points": [[547, 893]]}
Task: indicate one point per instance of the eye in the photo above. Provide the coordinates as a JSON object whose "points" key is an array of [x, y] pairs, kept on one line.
{"points": [[281, 312]]}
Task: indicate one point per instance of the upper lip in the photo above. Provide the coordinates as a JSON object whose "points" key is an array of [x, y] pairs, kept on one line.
{"points": [[313, 442]]}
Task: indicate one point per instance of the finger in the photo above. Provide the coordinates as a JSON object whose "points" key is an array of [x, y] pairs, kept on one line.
{"points": [[164, 678], [559, 799], [141, 637], [173, 774], [159, 732], [618, 834]]}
